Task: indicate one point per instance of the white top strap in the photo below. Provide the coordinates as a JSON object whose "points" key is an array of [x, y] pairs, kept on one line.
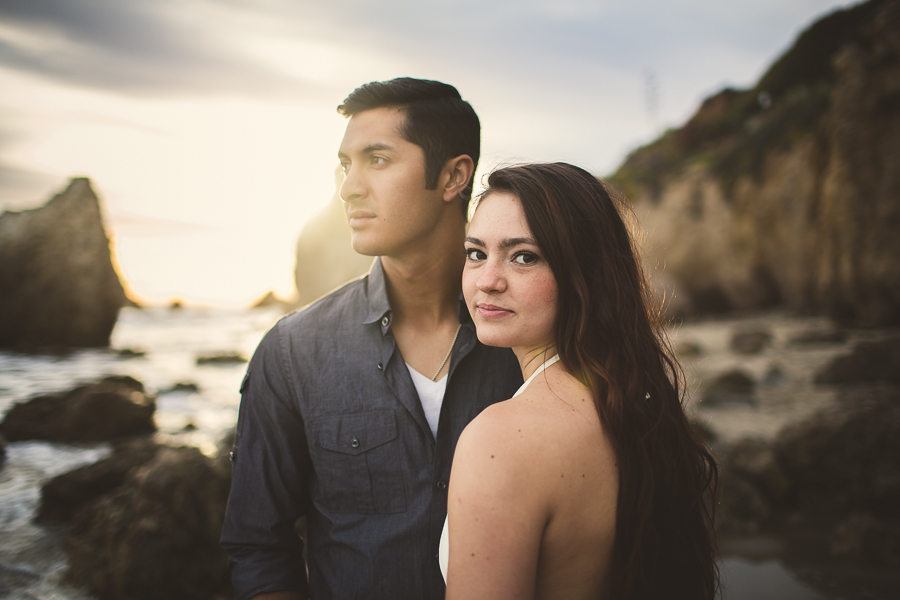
{"points": [[549, 362]]}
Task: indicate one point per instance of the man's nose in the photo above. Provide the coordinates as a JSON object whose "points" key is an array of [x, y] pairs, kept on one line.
{"points": [[352, 187]]}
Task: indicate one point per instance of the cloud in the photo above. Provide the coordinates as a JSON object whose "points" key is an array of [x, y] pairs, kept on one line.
{"points": [[137, 47]]}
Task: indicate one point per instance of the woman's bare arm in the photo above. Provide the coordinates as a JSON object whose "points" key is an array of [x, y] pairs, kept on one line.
{"points": [[497, 509]]}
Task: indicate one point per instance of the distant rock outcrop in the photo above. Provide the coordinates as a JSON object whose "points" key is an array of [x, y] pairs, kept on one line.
{"points": [[325, 259], [58, 287], [787, 194]]}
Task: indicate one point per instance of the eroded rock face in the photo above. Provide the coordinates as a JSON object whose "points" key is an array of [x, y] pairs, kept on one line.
{"points": [[794, 201], [96, 412], [325, 259], [58, 287]]}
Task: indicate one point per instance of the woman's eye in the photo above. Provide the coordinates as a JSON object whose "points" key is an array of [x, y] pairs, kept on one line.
{"points": [[474, 254], [525, 258]]}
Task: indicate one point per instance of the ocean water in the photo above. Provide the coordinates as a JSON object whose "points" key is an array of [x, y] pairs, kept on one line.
{"points": [[32, 562]]}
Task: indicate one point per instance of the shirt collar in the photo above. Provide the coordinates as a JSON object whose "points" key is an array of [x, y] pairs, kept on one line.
{"points": [[379, 307]]}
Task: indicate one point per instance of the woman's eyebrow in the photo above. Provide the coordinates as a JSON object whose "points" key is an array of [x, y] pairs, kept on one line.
{"points": [[507, 243]]}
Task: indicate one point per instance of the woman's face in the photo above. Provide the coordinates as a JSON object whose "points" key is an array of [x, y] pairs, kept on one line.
{"points": [[509, 287]]}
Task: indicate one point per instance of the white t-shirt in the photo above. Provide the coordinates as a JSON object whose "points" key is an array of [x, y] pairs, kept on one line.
{"points": [[431, 395]]}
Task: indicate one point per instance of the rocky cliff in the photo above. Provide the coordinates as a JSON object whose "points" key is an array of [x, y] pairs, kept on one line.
{"points": [[58, 287], [787, 194], [325, 259]]}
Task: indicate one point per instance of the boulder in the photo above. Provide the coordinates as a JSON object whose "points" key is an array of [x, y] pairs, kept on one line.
{"points": [[828, 485], [66, 494], [224, 358], [97, 412], [750, 341], [868, 362], [157, 536], [325, 260], [846, 459], [58, 286], [731, 387]]}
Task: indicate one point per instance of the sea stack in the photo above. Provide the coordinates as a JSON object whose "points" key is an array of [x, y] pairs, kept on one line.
{"points": [[58, 286]]}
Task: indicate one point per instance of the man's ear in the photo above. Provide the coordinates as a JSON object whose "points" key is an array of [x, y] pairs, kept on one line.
{"points": [[458, 173]]}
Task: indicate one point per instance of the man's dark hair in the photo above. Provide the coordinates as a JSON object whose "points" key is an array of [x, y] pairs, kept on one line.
{"points": [[437, 119]]}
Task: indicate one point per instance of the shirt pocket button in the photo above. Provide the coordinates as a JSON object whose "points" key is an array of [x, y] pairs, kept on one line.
{"points": [[354, 442]]}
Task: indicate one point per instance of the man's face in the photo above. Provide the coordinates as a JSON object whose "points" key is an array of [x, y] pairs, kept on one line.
{"points": [[387, 206]]}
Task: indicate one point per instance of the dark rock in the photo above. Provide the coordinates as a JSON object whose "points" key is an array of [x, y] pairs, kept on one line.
{"points": [[755, 460], [812, 337], [845, 459], [750, 341], [743, 508], [64, 495], [221, 359], [868, 362], [2, 451], [732, 387], [183, 386], [156, 537], [130, 353], [176, 305], [97, 412], [862, 539], [189, 426], [58, 286]]}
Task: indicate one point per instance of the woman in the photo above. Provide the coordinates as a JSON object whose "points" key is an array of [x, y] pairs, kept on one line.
{"points": [[590, 482]]}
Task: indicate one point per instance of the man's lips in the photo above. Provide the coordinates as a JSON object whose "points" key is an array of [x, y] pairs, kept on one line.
{"points": [[355, 218], [492, 311]]}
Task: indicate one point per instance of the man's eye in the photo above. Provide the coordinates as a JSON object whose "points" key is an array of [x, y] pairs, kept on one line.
{"points": [[345, 167], [525, 258], [378, 160], [474, 254]]}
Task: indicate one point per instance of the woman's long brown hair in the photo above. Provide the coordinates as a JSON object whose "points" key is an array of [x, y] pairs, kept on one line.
{"points": [[609, 335]]}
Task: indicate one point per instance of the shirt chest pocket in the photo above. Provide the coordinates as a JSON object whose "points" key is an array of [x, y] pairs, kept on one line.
{"points": [[358, 464]]}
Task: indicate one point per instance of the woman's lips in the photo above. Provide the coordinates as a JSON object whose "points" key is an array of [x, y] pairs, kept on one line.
{"points": [[491, 311]]}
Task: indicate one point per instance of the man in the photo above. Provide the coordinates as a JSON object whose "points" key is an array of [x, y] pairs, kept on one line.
{"points": [[352, 407]]}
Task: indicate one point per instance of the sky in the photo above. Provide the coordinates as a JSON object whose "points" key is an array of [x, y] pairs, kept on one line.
{"points": [[209, 130]]}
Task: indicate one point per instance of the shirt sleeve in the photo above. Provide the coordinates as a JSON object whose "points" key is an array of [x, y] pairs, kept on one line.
{"points": [[270, 470]]}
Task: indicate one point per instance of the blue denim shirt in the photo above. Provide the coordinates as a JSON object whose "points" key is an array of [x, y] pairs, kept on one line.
{"points": [[331, 427]]}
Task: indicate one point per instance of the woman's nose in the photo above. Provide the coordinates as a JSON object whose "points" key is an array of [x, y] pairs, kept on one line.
{"points": [[491, 278]]}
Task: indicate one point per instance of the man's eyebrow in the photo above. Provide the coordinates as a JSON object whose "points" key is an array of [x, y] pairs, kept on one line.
{"points": [[507, 243], [376, 147]]}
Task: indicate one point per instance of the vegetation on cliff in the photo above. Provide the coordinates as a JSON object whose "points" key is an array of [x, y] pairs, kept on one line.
{"points": [[733, 130]]}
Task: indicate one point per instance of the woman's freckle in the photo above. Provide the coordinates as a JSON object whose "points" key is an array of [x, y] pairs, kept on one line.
{"points": [[473, 554], [492, 456], [582, 475]]}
